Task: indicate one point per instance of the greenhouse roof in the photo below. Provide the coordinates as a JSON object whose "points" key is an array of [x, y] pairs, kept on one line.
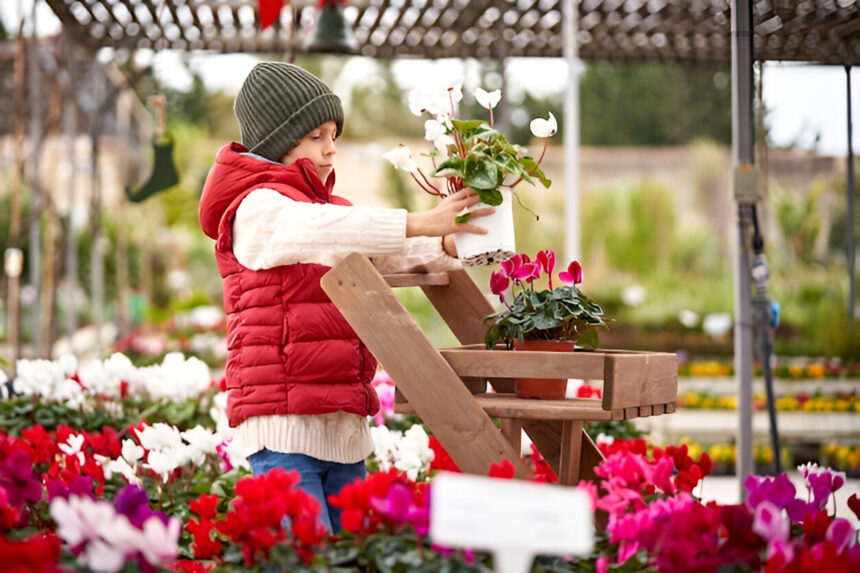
{"points": [[690, 31]]}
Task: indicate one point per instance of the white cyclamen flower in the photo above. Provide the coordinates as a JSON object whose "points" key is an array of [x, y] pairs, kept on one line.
{"points": [[159, 436], [73, 445], [159, 542], [716, 325], [488, 99], [435, 131], [163, 463], [688, 318], [202, 442], [122, 467], [544, 127], [401, 158], [131, 452]]}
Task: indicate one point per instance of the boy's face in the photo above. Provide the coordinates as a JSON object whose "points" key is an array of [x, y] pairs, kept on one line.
{"points": [[318, 146]]}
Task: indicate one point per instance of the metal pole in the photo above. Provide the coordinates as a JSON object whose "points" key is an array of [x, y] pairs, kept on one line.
{"points": [[849, 193], [70, 118], [14, 301], [572, 247], [35, 266], [743, 156]]}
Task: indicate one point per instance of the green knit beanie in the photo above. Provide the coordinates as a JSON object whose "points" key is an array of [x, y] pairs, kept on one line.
{"points": [[280, 103]]}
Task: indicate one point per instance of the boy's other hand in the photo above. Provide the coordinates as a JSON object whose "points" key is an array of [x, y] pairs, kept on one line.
{"points": [[441, 219]]}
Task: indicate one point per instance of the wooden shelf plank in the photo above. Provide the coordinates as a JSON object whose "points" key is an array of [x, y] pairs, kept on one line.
{"points": [[467, 361], [509, 406]]}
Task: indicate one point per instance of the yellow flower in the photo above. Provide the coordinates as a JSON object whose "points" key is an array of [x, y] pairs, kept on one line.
{"points": [[795, 370], [816, 370]]}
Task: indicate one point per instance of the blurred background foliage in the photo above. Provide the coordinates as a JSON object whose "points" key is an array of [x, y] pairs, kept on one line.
{"points": [[633, 234]]}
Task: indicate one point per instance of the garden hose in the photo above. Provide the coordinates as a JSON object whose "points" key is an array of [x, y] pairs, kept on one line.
{"points": [[767, 313]]}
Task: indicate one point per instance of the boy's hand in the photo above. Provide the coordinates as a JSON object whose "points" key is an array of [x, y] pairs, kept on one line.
{"points": [[440, 220]]}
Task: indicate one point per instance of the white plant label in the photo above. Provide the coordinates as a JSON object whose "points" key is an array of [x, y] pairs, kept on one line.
{"points": [[515, 520]]}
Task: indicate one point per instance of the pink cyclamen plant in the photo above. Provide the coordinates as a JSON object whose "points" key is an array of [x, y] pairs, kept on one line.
{"points": [[555, 313]]}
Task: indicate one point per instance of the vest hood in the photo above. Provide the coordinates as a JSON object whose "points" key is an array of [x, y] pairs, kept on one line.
{"points": [[235, 172]]}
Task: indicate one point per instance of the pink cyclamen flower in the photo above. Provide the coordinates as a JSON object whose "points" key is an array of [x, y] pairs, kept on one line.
{"points": [[770, 523], [841, 533], [499, 283], [520, 267], [573, 274], [385, 393]]}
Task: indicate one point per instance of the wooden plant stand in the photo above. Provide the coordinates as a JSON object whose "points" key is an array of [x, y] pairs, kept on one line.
{"points": [[445, 386]]}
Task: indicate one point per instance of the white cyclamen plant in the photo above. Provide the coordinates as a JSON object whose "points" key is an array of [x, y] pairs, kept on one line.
{"points": [[470, 153]]}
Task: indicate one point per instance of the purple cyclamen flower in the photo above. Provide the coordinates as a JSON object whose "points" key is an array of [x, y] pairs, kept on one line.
{"points": [[81, 486], [133, 502], [17, 477]]}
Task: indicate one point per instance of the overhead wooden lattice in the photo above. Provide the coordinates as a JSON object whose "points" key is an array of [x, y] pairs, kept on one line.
{"points": [[822, 31]]}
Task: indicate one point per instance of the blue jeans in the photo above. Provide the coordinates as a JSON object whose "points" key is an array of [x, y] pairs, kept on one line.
{"points": [[319, 478]]}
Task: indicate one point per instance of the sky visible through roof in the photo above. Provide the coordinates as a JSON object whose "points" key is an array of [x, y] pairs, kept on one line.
{"points": [[807, 103]]}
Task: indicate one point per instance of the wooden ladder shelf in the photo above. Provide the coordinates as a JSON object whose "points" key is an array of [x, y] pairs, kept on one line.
{"points": [[445, 386]]}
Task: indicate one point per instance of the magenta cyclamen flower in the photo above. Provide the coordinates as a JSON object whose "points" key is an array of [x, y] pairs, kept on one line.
{"points": [[546, 259], [573, 274], [399, 506], [821, 482], [779, 490], [520, 267]]}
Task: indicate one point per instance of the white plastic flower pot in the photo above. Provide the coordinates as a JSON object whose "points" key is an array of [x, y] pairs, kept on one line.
{"points": [[499, 242]]}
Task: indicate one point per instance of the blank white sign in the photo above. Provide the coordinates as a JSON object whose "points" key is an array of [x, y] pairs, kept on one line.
{"points": [[515, 520]]}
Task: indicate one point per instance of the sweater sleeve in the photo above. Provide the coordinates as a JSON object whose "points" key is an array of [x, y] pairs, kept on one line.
{"points": [[420, 254], [270, 230]]}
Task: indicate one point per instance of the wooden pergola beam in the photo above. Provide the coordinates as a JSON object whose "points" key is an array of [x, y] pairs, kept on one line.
{"points": [[685, 31]]}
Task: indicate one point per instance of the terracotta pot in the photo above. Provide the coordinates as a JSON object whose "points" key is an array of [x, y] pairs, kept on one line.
{"points": [[543, 388], [498, 244]]}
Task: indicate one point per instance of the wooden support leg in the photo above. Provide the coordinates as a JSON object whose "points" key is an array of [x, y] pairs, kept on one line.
{"points": [[547, 435], [512, 429], [571, 448], [420, 372]]}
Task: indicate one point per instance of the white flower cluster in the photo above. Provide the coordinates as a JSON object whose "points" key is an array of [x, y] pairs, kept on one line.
{"points": [[169, 448], [409, 452], [108, 538], [175, 379], [49, 378]]}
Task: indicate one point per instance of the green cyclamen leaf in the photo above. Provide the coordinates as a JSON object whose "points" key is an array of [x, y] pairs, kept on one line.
{"points": [[480, 174], [466, 125], [464, 218]]}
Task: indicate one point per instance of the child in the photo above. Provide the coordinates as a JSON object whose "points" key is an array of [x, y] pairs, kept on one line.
{"points": [[298, 378]]}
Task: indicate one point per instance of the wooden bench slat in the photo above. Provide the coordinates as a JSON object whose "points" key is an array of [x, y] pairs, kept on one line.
{"points": [[416, 279], [644, 411], [658, 409]]}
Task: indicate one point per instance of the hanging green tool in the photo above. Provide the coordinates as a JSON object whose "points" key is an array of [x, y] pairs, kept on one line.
{"points": [[164, 174]]}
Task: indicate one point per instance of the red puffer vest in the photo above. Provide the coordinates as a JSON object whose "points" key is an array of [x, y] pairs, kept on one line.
{"points": [[290, 351]]}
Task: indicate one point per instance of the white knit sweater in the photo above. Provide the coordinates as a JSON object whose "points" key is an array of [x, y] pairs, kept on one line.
{"points": [[270, 230]]}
